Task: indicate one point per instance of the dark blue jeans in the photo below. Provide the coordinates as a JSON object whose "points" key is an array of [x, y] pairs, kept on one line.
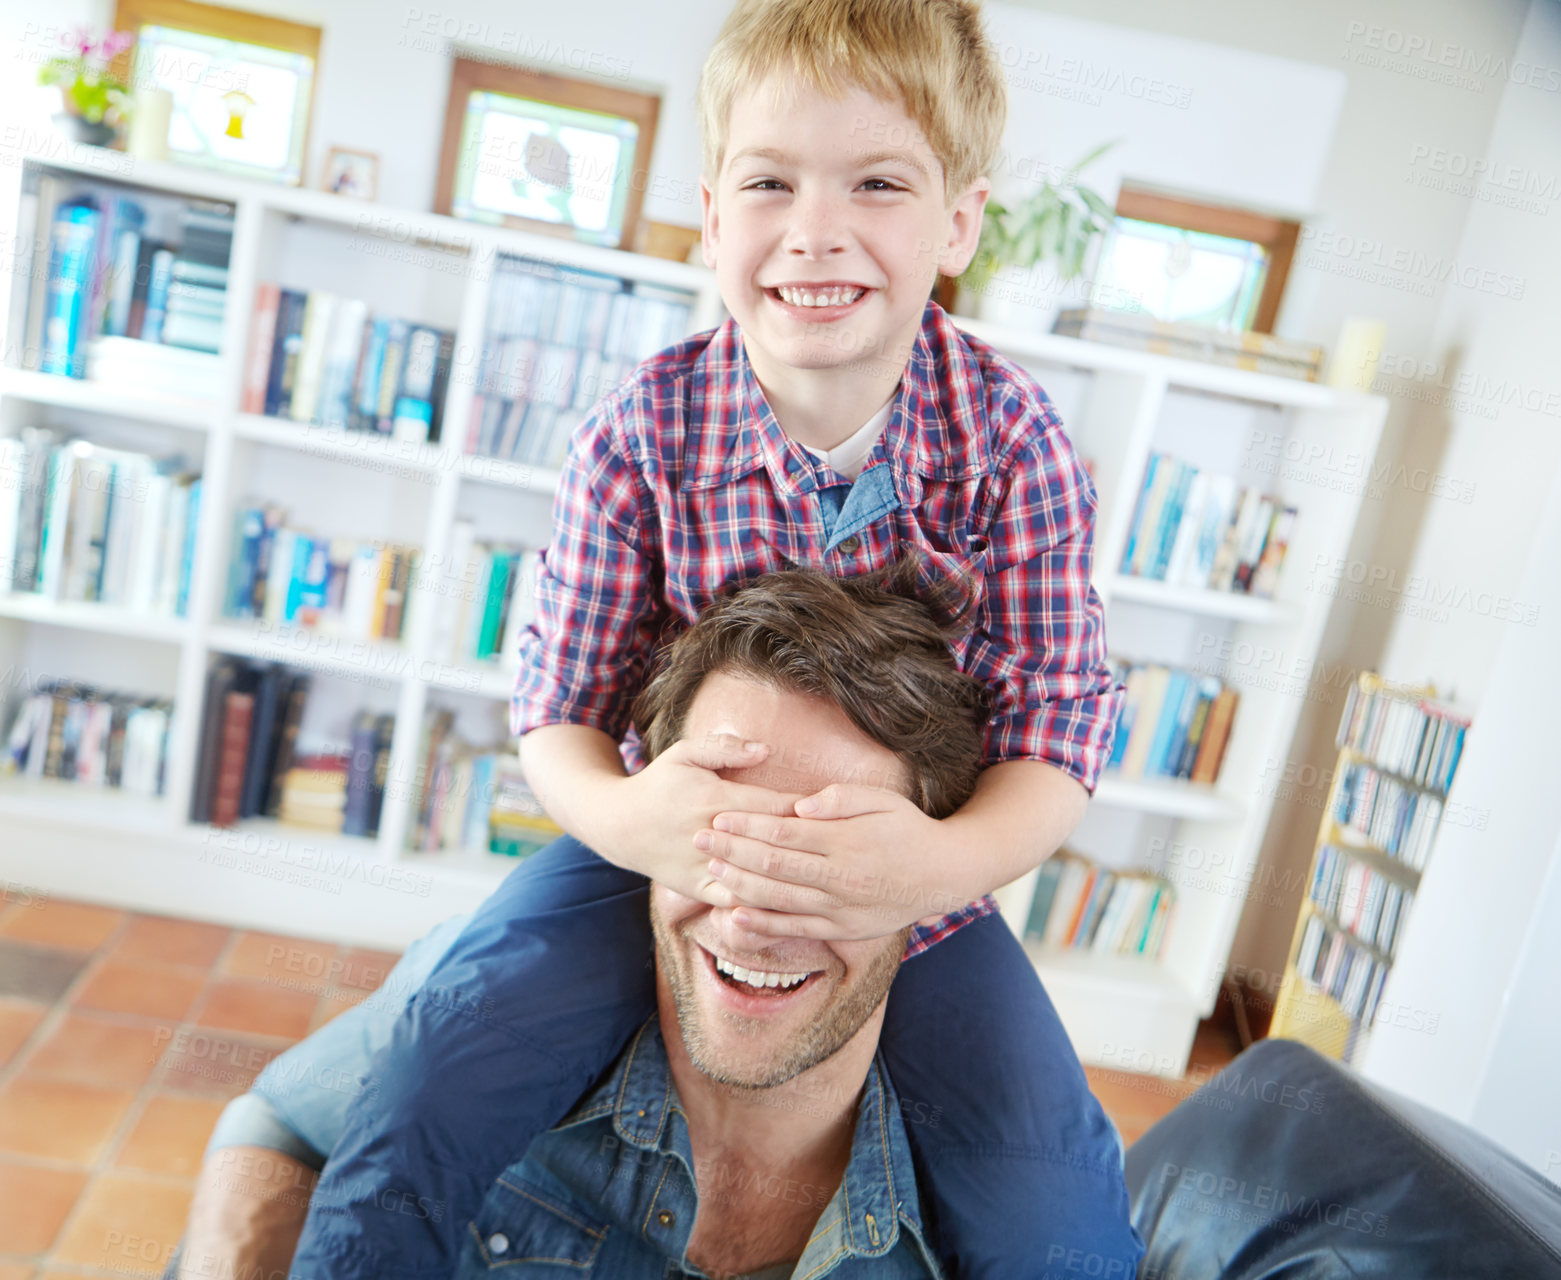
{"points": [[1018, 1170]]}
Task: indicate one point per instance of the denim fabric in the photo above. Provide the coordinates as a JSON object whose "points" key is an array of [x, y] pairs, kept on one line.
{"points": [[1015, 1163], [611, 1191]]}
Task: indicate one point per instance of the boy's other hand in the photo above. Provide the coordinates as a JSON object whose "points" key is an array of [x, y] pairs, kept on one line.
{"points": [[863, 863], [677, 794]]}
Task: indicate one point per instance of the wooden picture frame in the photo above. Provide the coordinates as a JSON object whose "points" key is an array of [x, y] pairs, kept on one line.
{"points": [[471, 75], [351, 162], [225, 24], [1277, 235]]}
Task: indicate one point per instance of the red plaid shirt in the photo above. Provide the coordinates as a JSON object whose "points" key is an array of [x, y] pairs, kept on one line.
{"points": [[683, 480]]}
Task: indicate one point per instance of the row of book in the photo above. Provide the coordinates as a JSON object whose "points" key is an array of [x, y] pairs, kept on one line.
{"points": [[485, 600], [355, 588], [1417, 740], [81, 522], [1080, 905], [83, 734], [98, 270], [316, 357], [1363, 901], [1173, 723], [1330, 960], [1195, 529], [473, 800], [1397, 819], [557, 340]]}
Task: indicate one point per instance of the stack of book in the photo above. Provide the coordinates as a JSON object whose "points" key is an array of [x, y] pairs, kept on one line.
{"points": [[315, 357], [557, 340], [1194, 529], [1330, 960], [1174, 723], [250, 765], [82, 734], [85, 523], [1413, 738], [355, 588], [1087, 907], [98, 272], [1260, 352], [475, 801], [1362, 901], [485, 599], [1395, 818]]}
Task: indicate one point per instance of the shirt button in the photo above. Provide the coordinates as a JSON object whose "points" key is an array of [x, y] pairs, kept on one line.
{"points": [[666, 1218], [498, 1242], [851, 545]]}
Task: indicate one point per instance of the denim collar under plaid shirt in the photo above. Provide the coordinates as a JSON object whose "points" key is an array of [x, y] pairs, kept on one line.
{"points": [[682, 480]]}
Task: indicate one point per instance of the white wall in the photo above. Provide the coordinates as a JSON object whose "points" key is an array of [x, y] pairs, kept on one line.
{"points": [[1475, 996]]}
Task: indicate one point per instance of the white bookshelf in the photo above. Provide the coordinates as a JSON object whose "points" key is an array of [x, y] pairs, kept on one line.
{"points": [[1118, 405]]}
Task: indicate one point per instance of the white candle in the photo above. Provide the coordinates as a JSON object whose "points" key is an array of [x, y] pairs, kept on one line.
{"points": [[1356, 353], [149, 121]]}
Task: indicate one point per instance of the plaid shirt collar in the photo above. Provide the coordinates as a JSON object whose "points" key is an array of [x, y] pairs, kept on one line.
{"points": [[934, 430]]}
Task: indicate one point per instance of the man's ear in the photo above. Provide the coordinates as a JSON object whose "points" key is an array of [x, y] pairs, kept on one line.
{"points": [[965, 214], [709, 223]]}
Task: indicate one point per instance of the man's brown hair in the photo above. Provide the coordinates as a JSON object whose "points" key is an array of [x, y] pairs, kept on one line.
{"points": [[873, 645]]}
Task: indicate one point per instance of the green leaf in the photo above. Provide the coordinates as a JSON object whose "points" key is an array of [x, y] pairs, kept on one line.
{"points": [[1094, 155], [1097, 206]]}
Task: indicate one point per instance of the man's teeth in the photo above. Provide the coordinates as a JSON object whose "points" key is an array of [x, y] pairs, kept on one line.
{"points": [[757, 977], [819, 297]]}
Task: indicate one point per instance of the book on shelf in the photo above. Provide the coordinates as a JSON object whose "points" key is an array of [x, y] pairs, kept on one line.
{"points": [[1239, 349], [1386, 814], [81, 522], [319, 358], [484, 598], [1358, 898], [357, 588], [1413, 737], [1194, 529], [557, 339], [78, 733], [99, 272], [1173, 724], [1083, 906], [1330, 960], [473, 800], [314, 793]]}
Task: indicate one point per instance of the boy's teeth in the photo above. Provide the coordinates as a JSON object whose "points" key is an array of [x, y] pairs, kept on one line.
{"points": [[758, 977], [819, 297]]}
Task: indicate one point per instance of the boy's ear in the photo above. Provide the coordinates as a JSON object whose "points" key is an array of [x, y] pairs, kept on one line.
{"points": [[965, 214], [709, 223]]}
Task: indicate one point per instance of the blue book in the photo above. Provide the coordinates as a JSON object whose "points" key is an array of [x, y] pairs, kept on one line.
{"points": [[311, 594], [303, 547], [191, 528], [1170, 519], [1165, 727], [1178, 741], [285, 342], [251, 528], [1138, 511], [1124, 728], [367, 402], [122, 281], [157, 296], [72, 239]]}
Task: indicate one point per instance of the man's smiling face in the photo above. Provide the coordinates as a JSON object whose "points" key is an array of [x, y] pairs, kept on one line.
{"points": [[755, 1011], [828, 226]]}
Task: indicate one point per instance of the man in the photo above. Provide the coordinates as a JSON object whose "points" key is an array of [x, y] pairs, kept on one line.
{"points": [[749, 1129]]}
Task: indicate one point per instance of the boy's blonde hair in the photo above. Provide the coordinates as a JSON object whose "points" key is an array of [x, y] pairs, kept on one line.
{"points": [[930, 55]]}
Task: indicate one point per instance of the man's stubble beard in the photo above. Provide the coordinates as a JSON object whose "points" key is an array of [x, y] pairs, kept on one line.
{"points": [[817, 1042]]}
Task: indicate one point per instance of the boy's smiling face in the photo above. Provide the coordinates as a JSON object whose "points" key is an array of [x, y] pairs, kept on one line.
{"points": [[835, 202]]}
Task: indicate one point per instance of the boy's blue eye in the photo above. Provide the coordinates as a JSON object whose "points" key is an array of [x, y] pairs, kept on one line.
{"points": [[765, 183], [882, 184]]}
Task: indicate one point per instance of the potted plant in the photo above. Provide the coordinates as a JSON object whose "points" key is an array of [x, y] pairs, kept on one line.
{"points": [[1053, 227], [94, 100]]}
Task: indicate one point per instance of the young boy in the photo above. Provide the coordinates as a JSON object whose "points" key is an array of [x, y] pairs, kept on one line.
{"points": [[837, 419]]}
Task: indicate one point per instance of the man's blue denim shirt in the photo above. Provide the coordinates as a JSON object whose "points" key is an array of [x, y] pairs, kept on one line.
{"points": [[611, 1190]]}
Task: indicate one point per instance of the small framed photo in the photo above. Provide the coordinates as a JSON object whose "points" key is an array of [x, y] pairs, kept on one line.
{"points": [[349, 172]]}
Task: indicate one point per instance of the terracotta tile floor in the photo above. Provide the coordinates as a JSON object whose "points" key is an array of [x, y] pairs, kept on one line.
{"points": [[122, 1037]]}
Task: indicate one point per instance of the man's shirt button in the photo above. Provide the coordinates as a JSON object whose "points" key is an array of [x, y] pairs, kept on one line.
{"points": [[498, 1242], [666, 1218], [851, 545]]}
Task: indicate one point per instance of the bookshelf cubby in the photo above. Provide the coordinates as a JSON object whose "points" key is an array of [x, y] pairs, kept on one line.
{"points": [[1118, 405]]}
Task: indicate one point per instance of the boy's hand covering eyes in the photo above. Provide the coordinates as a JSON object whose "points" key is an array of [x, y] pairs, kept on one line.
{"points": [[676, 795], [863, 863]]}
